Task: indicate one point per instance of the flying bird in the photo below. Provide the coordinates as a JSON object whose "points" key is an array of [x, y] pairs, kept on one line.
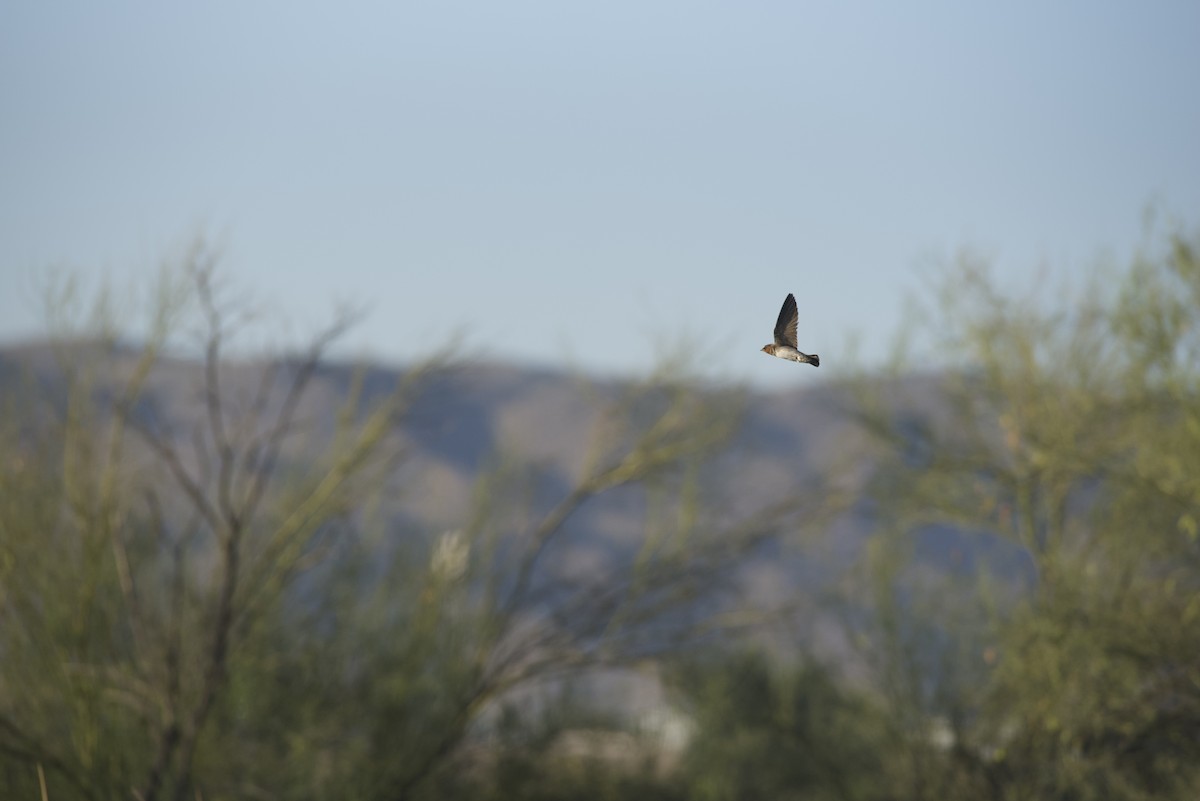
{"points": [[784, 346]]}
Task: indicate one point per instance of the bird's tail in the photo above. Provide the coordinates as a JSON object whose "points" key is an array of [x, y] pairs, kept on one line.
{"points": [[814, 360]]}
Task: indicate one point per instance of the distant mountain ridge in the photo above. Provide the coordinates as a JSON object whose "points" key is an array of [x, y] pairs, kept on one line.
{"points": [[467, 417]]}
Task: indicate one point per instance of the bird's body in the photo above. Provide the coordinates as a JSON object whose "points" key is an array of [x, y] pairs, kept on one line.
{"points": [[784, 346], [792, 355]]}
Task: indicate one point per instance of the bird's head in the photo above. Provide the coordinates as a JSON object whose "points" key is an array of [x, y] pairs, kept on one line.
{"points": [[769, 349]]}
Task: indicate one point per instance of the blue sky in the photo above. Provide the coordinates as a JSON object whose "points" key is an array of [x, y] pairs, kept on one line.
{"points": [[578, 183]]}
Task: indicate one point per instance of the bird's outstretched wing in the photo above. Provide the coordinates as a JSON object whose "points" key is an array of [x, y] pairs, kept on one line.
{"points": [[785, 326]]}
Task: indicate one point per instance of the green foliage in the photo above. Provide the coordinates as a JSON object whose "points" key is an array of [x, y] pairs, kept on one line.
{"points": [[215, 600], [772, 733], [1073, 435]]}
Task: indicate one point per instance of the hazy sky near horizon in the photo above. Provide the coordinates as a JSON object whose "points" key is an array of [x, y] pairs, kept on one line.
{"points": [[569, 182]]}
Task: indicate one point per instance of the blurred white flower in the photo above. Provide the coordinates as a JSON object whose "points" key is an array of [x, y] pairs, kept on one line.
{"points": [[673, 729], [941, 734], [450, 555]]}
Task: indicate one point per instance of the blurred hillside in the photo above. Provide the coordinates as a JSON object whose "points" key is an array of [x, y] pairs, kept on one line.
{"points": [[468, 418]]}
